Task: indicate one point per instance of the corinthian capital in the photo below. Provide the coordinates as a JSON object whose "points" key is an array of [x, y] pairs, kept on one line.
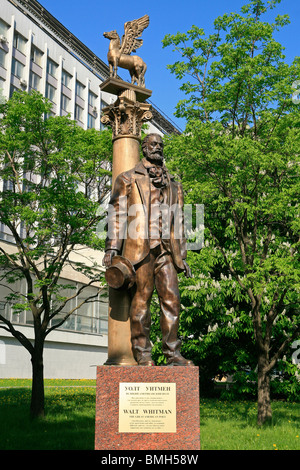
{"points": [[126, 116]]}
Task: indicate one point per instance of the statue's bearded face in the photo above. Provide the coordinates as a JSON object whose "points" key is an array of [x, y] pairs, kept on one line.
{"points": [[153, 150]]}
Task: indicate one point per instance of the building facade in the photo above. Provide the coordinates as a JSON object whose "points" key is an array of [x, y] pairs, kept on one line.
{"points": [[38, 52]]}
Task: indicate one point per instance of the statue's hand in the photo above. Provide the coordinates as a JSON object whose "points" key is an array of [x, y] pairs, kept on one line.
{"points": [[108, 257], [187, 269]]}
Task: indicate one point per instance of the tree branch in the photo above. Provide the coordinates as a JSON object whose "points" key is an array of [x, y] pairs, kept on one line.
{"points": [[17, 334]]}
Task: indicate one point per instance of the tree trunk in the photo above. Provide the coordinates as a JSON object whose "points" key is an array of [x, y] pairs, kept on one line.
{"points": [[37, 407], [264, 411]]}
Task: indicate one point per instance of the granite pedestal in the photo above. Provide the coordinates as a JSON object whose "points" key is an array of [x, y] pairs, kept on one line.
{"points": [[147, 408]]}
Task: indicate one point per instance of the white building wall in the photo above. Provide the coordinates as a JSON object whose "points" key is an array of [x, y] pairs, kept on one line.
{"points": [[67, 355], [39, 38]]}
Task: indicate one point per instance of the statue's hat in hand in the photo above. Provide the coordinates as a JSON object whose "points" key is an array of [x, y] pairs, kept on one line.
{"points": [[120, 274]]}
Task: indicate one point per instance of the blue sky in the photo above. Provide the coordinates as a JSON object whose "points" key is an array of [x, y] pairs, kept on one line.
{"points": [[90, 18]]}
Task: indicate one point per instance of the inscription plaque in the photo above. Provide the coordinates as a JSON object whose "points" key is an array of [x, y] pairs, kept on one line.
{"points": [[147, 407]]}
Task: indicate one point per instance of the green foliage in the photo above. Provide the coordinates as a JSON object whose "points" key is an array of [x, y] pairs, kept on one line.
{"points": [[285, 381], [55, 176], [239, 156], [235, 73]]}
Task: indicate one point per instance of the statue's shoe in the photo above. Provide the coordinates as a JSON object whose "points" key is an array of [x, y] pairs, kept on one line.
{"points": [[178, 360], [146, 361]]}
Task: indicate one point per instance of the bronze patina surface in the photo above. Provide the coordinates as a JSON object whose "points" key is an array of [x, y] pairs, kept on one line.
{"points": [[119, 53], [156, 259]]}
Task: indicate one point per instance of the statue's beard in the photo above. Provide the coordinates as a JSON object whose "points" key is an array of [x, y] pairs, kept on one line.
{"points": [[155, 157]]}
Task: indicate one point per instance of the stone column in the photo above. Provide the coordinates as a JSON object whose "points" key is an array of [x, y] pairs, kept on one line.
{"points": [[126, 117]]}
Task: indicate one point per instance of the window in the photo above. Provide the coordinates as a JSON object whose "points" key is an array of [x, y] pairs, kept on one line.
{"points": [[92, 316], [2, 57], [34, 81], [50, 92], [102, 306], [90, 309], [66, 292], [50, 114], [51, 67], [91, 121], [92, 99], [2, 99], [5, 234], [17, 68], [78, 113], [3, 28], [8, 185], [7, 301], [80, 90], [36, 55], [64, 103], [19, 42], [66, 78], [12, 90]]}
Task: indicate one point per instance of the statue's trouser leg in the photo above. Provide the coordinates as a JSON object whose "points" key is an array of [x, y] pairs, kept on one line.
{"points": [[166, 283], [157, 267], [140, 316]]}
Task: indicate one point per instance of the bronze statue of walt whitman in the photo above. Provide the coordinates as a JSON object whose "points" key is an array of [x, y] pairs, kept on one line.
{"points": [[142, 237]]}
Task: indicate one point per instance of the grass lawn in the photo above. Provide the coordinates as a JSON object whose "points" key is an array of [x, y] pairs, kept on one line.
{"points": [[70, 420], [226, 425]]}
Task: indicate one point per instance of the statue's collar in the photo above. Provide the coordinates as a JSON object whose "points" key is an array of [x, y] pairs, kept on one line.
{"points": [[144, 164], [148, 164], [140, 168]]}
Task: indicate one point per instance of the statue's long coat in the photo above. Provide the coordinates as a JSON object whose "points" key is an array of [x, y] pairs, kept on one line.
{"points": [[129, 214]]}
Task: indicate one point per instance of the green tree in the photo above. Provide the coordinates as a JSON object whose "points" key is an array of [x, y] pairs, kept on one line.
{"points": [[239, 156], [54, 177]]}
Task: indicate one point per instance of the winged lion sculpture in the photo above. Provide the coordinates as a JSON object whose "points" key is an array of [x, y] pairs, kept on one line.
{"points": [[119, 53]]}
